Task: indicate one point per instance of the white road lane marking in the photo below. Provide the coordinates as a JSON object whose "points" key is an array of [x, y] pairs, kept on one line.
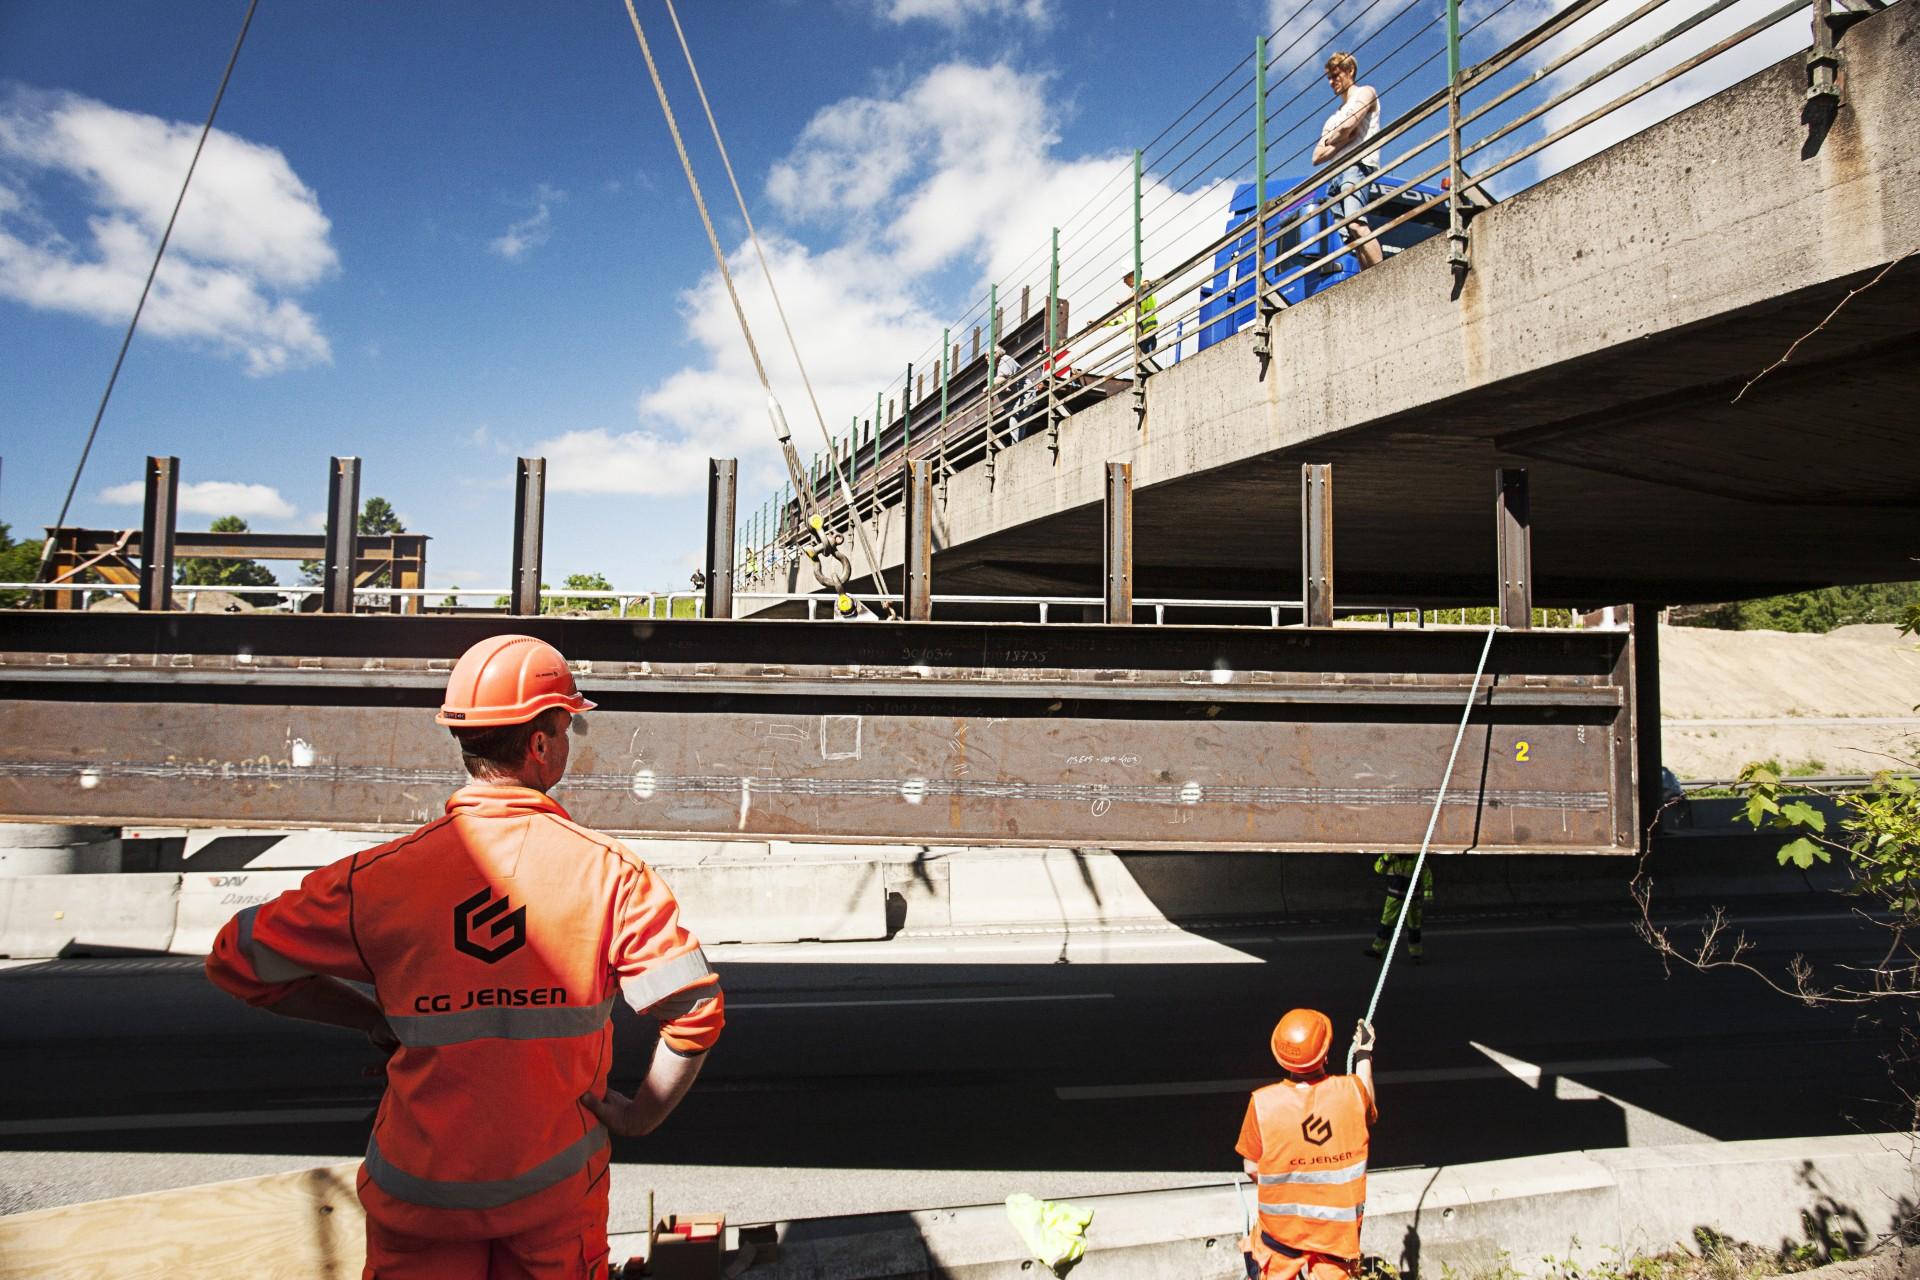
{"points": [[857, 1004], [181, 1120], [1418, 1075]]}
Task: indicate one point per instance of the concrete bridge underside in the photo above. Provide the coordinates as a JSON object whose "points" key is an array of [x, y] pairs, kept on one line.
{"points": [[1602, 340]]}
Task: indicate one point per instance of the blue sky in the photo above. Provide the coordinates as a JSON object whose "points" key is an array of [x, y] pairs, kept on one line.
{"points": [[441, 235]]}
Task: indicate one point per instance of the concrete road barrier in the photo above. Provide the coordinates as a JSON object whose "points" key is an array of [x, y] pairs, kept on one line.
{"points": [[67, 915], [209, 899], [782, 902]]}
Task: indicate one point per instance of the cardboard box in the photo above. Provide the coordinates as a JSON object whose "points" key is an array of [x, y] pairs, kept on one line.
{"points": [[688, 1246]]}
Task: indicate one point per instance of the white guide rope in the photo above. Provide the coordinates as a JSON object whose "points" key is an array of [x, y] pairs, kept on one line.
{"points": [[1433, 820]]}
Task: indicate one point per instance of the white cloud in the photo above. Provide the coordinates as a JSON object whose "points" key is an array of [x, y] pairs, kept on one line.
{"points": [[907, 248], [532, 231], [250, 232], [213, 498], [957, 13]]}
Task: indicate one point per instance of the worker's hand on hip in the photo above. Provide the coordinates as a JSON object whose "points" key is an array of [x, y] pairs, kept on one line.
{"points": [[1363, 1037], [614, 1111]]}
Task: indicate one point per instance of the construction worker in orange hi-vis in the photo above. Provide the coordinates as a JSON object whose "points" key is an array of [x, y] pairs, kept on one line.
{"points": [[1304, 1145], [497, 939]]}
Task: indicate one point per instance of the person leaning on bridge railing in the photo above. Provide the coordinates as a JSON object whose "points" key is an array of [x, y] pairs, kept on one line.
{"points": [[1147, 320], [1357, 120], [496, 939]]}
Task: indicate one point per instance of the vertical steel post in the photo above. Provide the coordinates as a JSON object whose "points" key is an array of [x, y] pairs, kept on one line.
{"points": [[1260, 140], [1117, 553], [1139, 291], [1316, 543], [1646, 712], [946, 371], [906, 415], [529, 535], [879, 425], [721, 476], [157, 526], [343, 535], [1514, 542], [1053, 342], [918, 553], [1456, 173]]}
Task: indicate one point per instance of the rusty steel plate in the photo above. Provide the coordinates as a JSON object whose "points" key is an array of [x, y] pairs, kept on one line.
{"points": [[1181, 738]]}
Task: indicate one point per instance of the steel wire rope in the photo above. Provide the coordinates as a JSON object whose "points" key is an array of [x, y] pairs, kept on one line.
{"points": [[720, 258], [1433, 819], [86, 450]]}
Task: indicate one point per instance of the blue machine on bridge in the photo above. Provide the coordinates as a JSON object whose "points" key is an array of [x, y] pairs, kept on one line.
{"points": [[1227, 305]]}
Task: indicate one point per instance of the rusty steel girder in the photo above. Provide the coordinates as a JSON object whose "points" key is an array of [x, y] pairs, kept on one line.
{"points": [[926, 733]]}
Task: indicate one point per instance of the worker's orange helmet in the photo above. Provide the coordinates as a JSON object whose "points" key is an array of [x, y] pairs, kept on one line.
{"points": [[508, 680], [1301, 1039]]}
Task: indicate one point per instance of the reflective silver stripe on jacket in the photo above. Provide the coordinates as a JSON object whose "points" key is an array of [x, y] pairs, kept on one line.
{"points": [[1322, 1176], [500, 1022], [655, 983], [268, 965], [434, 1194], [1325, 1213]]}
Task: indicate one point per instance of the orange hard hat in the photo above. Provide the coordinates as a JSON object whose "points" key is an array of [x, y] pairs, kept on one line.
{"points": [[1301, 1039], [508, 680]]}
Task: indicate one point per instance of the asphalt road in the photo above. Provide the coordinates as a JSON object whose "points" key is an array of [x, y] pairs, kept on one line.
{"points": [[924, 1071]]}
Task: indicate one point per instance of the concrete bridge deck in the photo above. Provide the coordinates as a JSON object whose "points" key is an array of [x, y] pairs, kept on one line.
{"points": [[1611, 319]]}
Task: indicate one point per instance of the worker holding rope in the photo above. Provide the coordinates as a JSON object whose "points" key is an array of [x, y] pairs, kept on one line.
{"points": [[1304, 1144]]}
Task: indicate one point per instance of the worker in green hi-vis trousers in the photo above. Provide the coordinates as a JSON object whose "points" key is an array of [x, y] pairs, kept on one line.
{"points": [[1398, 869]]}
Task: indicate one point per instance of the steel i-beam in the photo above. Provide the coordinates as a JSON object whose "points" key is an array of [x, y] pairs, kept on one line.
{"points": [[529, 534], [722, 479], [923, 732], [343, 535], [1316, 543], [1514, 543], [1118, 546], [157, 527], [918, 560]]}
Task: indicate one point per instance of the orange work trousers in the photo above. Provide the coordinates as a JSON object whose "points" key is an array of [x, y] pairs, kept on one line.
{"points": [[572, 1247], [1308, 1266]]}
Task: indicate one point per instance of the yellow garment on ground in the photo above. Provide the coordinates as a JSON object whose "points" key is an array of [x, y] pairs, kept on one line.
{"points": [[1055, 1232]]}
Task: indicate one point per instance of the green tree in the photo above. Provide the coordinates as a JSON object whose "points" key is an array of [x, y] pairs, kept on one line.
{"points": [[1814, 611], [575, 604], [195, 571], [19, 562], [377, 517]]}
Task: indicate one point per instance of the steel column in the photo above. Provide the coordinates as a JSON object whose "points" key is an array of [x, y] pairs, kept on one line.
{"points": [[343, 535], [157, 526], [1139, 291], [906, 413], [1646, 714], [1316, 543], [918, 554], [1514, 542], [947, 360], [1118, 550], [529, 536], [1260, 137], [721, 473]]}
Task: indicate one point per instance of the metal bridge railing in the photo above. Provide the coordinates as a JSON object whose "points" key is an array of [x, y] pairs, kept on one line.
{"points": [[1493, 115]]}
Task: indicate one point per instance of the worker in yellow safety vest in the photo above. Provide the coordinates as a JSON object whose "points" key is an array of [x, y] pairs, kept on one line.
{"points": [[1145, 317], [1304, 1145]]}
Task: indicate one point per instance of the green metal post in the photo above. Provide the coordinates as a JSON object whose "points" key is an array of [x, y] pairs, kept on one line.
{"points": [[1456, 174], [1259, 133], [879, 424], [1053, 340], [906, 416]]}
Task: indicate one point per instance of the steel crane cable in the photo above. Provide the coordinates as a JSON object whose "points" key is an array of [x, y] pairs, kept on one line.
{"points": [[720, 259], [46, 548], [1440, 798]]}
